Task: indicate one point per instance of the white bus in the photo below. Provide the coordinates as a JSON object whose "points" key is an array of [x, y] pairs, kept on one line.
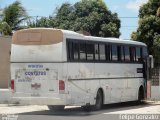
{"points": [[59, 68]]}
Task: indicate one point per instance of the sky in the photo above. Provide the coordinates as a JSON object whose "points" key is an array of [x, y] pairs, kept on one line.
{"points": [[127, 10]]}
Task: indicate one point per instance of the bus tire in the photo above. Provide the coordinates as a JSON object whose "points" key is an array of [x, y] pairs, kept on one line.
{"points": [[99, 100], [56, 107], [140, 95]]}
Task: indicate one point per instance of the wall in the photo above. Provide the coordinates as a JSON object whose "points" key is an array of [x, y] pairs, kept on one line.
{"points": [[155, 92], [5, 46], [155, 88]]}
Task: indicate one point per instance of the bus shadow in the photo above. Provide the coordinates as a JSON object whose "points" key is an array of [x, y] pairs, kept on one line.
{"points": [[81, 112]]}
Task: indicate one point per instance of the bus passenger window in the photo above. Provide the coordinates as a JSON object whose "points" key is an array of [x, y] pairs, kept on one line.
{"points": [[70, 50], [90, 51], [96, 51], [102, 52], [76, 50], [133, 53], [82, 51], [108, 52], [138, 54], [114, 53], [120, 51], [127, 54]]}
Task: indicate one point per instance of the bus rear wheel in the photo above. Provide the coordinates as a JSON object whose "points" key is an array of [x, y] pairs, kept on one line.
{"points": [[56, 107], [99, 100], [98, 104]]}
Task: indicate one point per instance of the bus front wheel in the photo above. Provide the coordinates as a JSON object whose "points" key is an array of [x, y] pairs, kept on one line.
{"points": [[140, 94]]}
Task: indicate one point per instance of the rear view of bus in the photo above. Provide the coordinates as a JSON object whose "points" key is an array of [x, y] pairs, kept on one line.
{"points": [[36, 65]]}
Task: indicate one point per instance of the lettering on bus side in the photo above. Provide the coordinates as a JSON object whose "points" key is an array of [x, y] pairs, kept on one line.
{"points": [[35, 66], [36, 73], [24, 80]]}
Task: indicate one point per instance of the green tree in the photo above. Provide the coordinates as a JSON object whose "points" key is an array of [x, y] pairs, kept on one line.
{"points": [[12, 16], [94, 17], [64, 18], [42, 22], [149, 27], [5, 29], [91, 16]]}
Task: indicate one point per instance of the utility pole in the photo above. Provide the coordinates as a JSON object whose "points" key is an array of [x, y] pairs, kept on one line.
{"points": [[36, 20]]}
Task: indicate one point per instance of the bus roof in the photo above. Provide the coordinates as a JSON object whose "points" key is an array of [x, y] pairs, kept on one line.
{"points": [[72, 35], [43, 36], [116, 40]]}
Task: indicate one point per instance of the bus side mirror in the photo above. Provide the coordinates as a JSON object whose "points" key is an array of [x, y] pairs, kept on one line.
{"points": [[151, 61]]}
